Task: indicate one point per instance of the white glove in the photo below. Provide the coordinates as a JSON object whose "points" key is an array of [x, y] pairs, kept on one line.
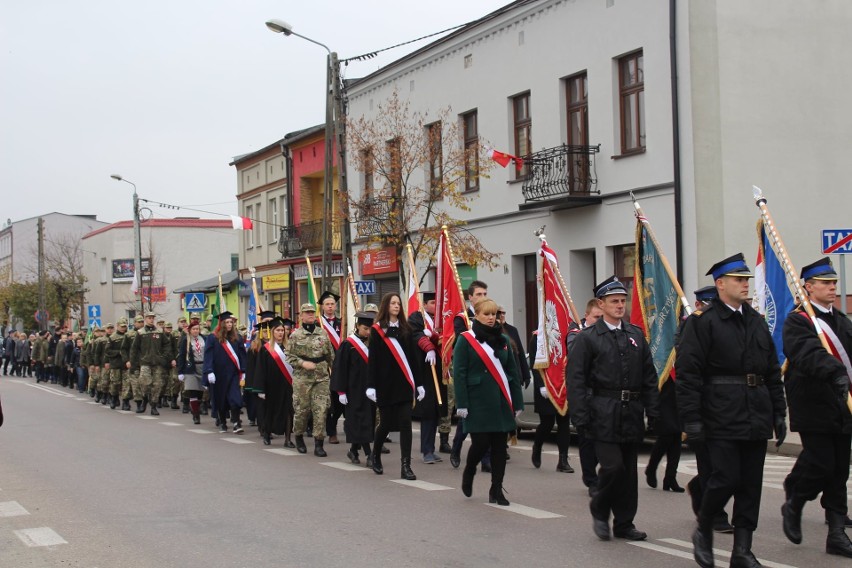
{"points": [[342, 398], [543, 391], [431, 358], [261, 395], [518, 413], [243, 378], [211, 378], [427, 332], [371, 394], [461, 412], [180, 378], [421, 392]]}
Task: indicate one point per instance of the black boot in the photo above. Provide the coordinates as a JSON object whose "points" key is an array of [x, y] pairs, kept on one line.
{"points": [[377, 460], [445, 447], [670, 484], [300, 444], [563, 464], [113, 402], [702, 542], [184, 406], [536, 455], [154, 411], [495, 495], [205, 408], [352, 454], [139, 409], [405, 472], [651, 477], [318, 449], [837, 543], [144, 403], [98, 397], [741, 556], [267, 439], [174, 405], [467, 480], [791, 513], [125, 404], [104, 399], [694, 489]]}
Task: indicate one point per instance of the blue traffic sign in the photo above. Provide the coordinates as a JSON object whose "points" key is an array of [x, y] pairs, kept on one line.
{"points": [[196, 302], [95, 321], [365, 287], [94, 311], [837, 241]]}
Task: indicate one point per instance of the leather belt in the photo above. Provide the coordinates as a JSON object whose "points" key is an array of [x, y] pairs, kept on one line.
{"points": [[750, 379], [314, 359], [622, 395]]}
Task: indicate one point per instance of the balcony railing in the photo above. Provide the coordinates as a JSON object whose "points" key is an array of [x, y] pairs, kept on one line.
{"points": [[373, 216], [563, 171], [296, 239]]}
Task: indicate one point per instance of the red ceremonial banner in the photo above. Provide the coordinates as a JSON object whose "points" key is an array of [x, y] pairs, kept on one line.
{"points": [[554, 321]]}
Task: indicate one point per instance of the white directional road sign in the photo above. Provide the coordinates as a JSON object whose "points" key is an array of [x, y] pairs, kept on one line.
{"points": [[94, 311], [196, 302]]}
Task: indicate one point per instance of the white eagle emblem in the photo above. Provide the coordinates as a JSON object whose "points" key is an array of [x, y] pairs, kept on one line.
{"points": [[554, 334]]}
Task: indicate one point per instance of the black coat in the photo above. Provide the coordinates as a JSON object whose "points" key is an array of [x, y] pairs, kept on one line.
{"points": [[520, 356], [392, 386], [349, 376], [814, 406], [595, 364], [278, 404], [713, 343], [428, 407]]}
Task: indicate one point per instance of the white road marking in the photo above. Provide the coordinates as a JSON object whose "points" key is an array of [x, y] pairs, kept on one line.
{"points": [[663, 549], [147, 417], [42, 536], [722, 553], [282, 452], [344, 466], [47, 389], [12, 509], [92, 402], [171, 424], [425, 485], [199, 431], [519, 447], [526, 511], [551, 452], [237, 440]]}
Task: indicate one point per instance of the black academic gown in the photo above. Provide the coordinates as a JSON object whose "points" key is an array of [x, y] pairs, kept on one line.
{"points": [[278, 404], [349, 376], [428, 408]]}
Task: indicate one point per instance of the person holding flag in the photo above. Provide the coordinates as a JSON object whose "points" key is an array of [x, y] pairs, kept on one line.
{"points": [[273, 383], [432, 407], [332, 325], [224, 368], [817, 385]]}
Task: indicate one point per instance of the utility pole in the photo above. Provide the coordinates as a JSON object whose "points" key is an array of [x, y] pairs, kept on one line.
{"points": [[328, 196], [42, 311], [342, 184]]}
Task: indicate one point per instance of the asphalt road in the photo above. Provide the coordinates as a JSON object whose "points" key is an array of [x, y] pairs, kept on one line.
{"points": [[84, 486]]}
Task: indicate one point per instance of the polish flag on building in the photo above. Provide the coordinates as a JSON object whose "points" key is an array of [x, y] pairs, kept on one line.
{"points": [[503, 159], [243, 223]]}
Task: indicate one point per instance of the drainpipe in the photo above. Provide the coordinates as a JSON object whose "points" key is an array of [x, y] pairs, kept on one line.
{"points": [[676, 140]]}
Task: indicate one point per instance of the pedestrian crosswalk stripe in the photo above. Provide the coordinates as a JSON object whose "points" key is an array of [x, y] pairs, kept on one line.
{"points": [[12, 509], [199, 431], [721, 553], [92, 402], [42, 536], [282, 452], [147, 417], [663, 549], [125, 412], [237, 440], [344, 466], [171, 424], [526, 511], [425, 485]]}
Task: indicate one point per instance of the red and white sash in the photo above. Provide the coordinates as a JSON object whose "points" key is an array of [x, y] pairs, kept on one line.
{"points": [[428, 322], [333, 336], [229, 349], [398, 354], [834, 343], [278, 356], [495, 368], [359, 346]]}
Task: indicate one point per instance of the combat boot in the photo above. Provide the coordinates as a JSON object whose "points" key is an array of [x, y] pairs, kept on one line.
{"points": [[405, 471], [139, 409], [536, 455], [104, 399], [125, 404], [113, 402], [445, 447], [741, 556], [300, 444], [837, 543], [318, 449], [144, 403], [174, 405], [791, 513], [563, 464], [154, 411], [185, 406], [702, 543], [98, 397]]}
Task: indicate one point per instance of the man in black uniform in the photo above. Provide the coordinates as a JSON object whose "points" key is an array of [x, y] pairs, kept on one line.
{"points": [[332, 326], [817, 384], [612, 384], [423, 333], [730, 396]]}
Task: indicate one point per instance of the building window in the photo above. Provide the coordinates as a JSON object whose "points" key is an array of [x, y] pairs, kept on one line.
{"points": [[394, 157], [522, 128], [272, 220], [284, 219], [436, 159], [255, 227], [369, 167], [104, 270], [249, 234], [235, 262], [470, 131], [632, 102], [624, 259], [577, 101]]}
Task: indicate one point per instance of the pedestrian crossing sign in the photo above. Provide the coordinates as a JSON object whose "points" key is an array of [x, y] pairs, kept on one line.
{"points": [[196, 302]]}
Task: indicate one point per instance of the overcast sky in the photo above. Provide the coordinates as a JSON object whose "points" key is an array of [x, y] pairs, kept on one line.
{"points": [[165, 93]]}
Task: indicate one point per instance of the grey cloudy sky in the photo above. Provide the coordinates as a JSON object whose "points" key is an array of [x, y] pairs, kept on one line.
{"points": [[166, 92]]}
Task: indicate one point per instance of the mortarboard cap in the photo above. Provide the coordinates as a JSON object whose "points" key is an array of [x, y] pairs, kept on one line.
{"points": [[328, 294], [226, 315], [732, 266], [365, 318], [287, 322], [428, 296], [266, 314]]}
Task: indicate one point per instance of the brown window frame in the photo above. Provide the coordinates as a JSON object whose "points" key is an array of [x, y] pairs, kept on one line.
{"points": [[620, 254], [434, 133], [579, 165], [471, 151], [636, 88], [521, 125]]}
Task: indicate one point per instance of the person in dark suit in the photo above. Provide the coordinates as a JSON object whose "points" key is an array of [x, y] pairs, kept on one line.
{"points": [[817, 385], [422, 330]]}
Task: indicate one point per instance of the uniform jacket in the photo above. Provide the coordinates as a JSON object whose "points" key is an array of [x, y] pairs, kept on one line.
{"points": [[714, 343], [126, 346], [595, 364], [814, 406], [112, 351], [151, 347], [303, 345], [385, 375], [478, 391], [97, 351]]}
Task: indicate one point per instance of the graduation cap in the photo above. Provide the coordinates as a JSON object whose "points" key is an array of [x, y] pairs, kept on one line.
{"points": [[609, 287], [275, 322], [706, 294], [225, 315], [328, 294], [819, 270], [364, 318], [732, 266], [428, 296], [266, 315], [288, 322]]}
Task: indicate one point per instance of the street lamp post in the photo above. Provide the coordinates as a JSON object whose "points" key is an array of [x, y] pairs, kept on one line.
{"points": [[137, 242]]}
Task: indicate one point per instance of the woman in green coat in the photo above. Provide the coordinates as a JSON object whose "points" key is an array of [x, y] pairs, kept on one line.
{"points": [[488, 395]]}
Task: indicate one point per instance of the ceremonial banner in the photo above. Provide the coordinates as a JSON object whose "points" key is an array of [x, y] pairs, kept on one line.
{"points": [[450, 301], [656, 301], [312, 289], [554, 320], [772, 297], [413, 290]]}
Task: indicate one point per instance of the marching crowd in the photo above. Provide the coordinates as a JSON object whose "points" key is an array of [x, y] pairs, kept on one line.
{"points": [[726, 394]]}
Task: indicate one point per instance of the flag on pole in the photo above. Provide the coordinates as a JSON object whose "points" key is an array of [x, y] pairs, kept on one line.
{"points": [[215, 311], [772, 298], [243, 223], [312, 289], [554, 320], [413, 289], [252, 314], [656, 305], [450, 301], [503, 158]]}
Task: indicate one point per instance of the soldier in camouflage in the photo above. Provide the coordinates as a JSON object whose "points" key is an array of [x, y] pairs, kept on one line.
{"points": [[152, 353], [173, 385], [311, 355], [131, 387], [116, 363], [102, 363]]}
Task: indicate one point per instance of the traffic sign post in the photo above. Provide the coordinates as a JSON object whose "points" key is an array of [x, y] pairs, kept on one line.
{"points": [[196, 302], [838, 241], [365, 287]]}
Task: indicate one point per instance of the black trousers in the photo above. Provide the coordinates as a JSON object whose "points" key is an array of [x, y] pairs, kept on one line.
{"points": [[495, 442], [335, 411], [618, 490], [588, 461], [822, 467], [738, 473], [394, 418], [666, 445], [545, 425]]}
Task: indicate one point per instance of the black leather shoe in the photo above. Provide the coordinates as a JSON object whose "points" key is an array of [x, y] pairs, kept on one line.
{"points": [[671, 485], [702, 543], [377, 463], [601, 528], [196, 419], [536, 456], [792, 522], [405, 471], [455, 460], [318, 449], [721, 524], [651, 478], [369, 463], [300, 445], [353, 457], [467, 481], [563, 466], [495, 495], [288, 443], [837, 543], [267, 441], [631, 534]]}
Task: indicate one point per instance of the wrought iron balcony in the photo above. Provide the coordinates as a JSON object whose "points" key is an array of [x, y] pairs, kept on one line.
{"points": [[373, 216], [296, 239], [563, 171]]}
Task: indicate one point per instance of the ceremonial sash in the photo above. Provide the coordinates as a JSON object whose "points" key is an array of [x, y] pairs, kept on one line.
{"points": [[834, 343], [229, 349], [278, 356], [359, 346], [428, 321], [333, 336], [398, 354], [486, 354]]}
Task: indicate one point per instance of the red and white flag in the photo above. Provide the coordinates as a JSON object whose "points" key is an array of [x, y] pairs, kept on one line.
{"points": [[243, 223], [503, 159], [414, 303], [450, 301], [554, 319]]}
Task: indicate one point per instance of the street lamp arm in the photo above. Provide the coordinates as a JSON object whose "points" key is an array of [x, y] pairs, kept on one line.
{"points": [[282, 27]]}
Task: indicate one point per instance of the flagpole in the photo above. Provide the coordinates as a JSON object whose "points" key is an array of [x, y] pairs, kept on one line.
{"points": [[257, 307], [351, 285], [640, 216], [413, 276], [455, 271], [574, 313], [221, 306], [313, 289]]}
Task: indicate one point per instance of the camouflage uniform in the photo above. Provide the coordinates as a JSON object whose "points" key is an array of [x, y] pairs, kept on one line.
{"points": [[117, 363], [175, 385], [310, 388], [152, 353], [130, 387], [102, 362], [95, 362]]}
